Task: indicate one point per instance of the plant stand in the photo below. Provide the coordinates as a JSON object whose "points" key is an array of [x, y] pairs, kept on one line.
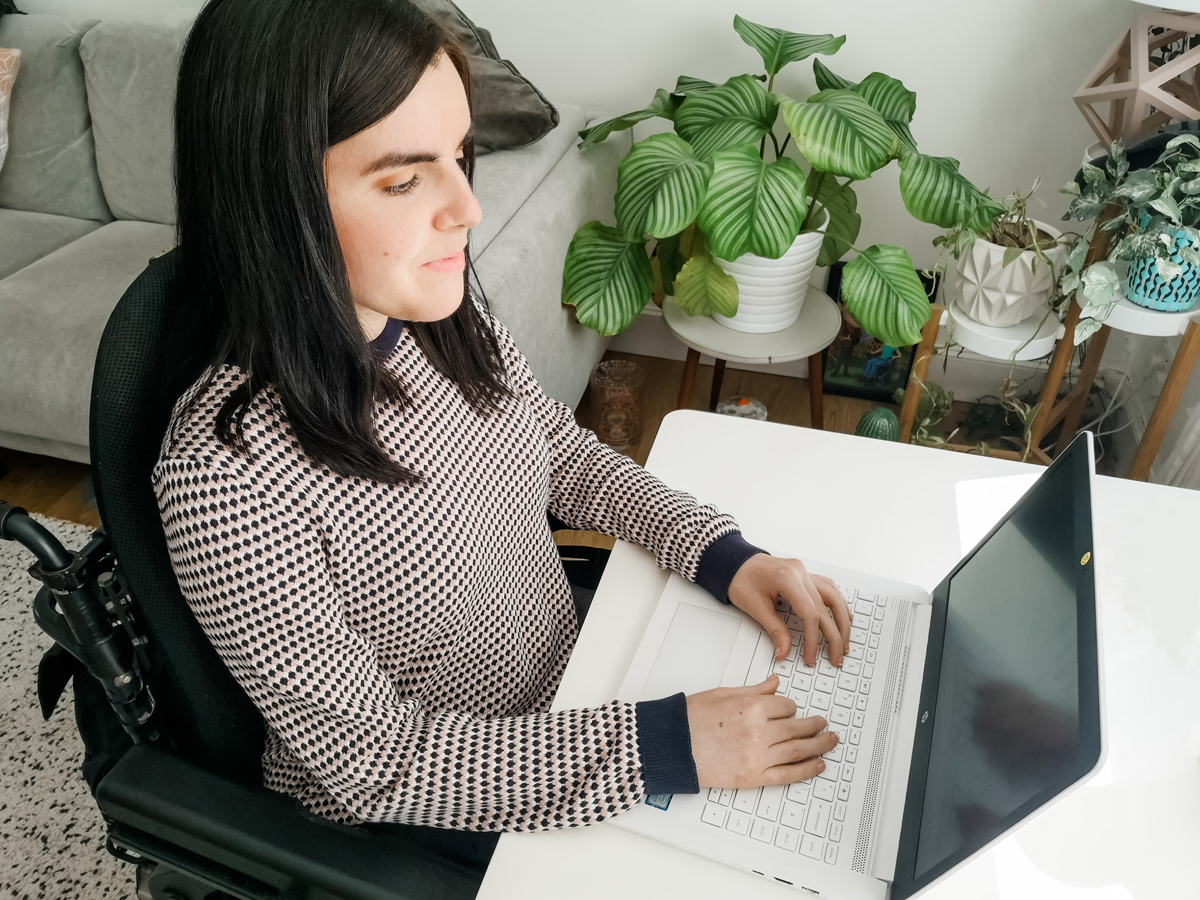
{"points": [[1031, 339], [811, 333], [1131, 319]]}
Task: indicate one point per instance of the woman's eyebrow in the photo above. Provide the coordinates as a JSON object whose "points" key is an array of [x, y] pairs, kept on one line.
{"points": [[396, 160]]}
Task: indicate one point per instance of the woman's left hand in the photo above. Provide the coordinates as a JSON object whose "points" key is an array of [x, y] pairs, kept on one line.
{"points": [[814, 599]]}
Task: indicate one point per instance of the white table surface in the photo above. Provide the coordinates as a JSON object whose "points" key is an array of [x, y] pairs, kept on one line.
{"points": [[1132, 832]]}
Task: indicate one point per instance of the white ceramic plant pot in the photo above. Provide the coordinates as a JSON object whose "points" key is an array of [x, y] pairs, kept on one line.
{"points": [[771, 291], [994, 294]]}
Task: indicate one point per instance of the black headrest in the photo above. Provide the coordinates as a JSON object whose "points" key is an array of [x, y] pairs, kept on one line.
{"points": [[209, 717]]}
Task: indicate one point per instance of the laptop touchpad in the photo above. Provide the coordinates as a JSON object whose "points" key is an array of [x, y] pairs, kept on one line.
{"points": [[694, 653]]}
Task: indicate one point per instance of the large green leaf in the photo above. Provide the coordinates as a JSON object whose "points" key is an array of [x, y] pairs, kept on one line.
{"points": [[892, 100], [934, 191], [827, 80], [839, 132], [660, 186], [778, 48], [738, 112], [844, 221], [606, 278], [664, 104], [884, 294], [670, 261], [704, 288], [752, 206], [686, 84]]}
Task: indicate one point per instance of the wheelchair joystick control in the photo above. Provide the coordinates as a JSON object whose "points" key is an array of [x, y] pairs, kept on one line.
{"points": [[85, 606]]}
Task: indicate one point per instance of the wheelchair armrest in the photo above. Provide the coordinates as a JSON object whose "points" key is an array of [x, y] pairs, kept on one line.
{"points": [[156, 799]]}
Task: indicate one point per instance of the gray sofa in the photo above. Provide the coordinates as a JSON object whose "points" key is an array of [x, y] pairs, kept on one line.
{"points": [[86, 200]]}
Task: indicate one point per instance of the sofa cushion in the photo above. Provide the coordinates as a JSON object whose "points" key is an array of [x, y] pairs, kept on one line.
{"points": [[504, 181], [28, 236], [507, 110], [131, 69], [51, 164], [54, 313]]}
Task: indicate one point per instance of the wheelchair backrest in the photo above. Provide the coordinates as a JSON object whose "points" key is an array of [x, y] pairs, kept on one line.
{"points": [[207, 715]]}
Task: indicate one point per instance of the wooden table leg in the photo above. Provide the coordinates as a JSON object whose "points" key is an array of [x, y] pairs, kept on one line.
{"points": [[689, 379], [1051, 410], [916, 376], [718, 376], [1164, 409], [1063, 351], [816, 392], [1087, 377]]}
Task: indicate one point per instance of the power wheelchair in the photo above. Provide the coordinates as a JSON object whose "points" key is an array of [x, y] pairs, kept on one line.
{"points": [[172, 743]]}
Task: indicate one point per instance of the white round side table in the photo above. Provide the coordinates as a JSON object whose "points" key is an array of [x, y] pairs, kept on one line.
{"points": [[811, 333]]}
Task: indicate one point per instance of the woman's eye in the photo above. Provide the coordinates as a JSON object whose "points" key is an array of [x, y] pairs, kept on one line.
{"points": [[395, 189]]}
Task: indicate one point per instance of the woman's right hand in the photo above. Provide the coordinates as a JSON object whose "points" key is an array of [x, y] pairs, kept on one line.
{"points": [[747, 737]]}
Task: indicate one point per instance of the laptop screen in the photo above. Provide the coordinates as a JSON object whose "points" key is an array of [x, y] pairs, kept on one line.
{"points": [[1013, 702]]}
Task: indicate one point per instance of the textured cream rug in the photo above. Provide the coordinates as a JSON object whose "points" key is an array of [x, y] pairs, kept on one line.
{"points": [[51, 833]]}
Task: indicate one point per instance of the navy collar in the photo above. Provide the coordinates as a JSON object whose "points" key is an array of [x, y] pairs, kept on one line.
{"points": [[387, 340]]}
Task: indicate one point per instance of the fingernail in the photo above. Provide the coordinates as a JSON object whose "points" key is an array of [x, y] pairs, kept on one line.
{"points": [[820, 765]]}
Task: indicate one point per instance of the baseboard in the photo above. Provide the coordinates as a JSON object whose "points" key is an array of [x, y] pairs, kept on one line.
{"points": [[969, 375]]}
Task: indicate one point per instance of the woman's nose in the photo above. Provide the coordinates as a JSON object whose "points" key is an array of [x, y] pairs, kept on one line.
{"points": [[461, 209]]}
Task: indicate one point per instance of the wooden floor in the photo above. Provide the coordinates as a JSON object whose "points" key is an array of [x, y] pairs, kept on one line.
{"points": [[63, 489]]}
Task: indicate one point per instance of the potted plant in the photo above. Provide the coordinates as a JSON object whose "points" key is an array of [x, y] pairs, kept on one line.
{"points": [[1012, 271], [705, 196], [1152, 215]]}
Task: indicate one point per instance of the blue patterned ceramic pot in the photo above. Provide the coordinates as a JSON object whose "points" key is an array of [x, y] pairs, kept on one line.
{"points": [[1146, 287]]}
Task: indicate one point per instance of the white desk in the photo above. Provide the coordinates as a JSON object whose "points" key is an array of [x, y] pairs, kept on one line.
{"points": [[1131, 834]]}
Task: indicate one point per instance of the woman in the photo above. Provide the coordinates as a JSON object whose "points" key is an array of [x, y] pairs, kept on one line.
{"points": [[355, 493]]}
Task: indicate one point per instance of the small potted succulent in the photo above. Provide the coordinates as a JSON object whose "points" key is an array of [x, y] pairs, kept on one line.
{"points": [[1012, 271], [705, 199], [1153, 217]]}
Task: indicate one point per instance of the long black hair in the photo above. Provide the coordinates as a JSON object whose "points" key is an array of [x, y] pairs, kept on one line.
{"points": [[266, 87]]}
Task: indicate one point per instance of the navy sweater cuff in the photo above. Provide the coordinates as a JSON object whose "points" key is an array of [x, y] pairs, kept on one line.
{"points": [[721, 561], [665, 746]]}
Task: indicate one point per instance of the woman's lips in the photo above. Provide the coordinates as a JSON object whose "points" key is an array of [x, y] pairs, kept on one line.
{"points": [[454, 263]]}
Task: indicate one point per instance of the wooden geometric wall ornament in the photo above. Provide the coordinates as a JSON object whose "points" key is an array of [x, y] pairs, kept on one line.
{"points": [[1143, 90]]}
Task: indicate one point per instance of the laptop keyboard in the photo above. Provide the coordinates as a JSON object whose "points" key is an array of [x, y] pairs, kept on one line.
{"points": [[809, 817]]}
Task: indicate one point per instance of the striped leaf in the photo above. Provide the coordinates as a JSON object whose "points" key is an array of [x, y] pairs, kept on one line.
{"points": [[884, 294], [738, 112], [660, 186], [670, 261], [839, 132], [892, 100], [663, 104], [752, 207], [686, 84], [934, 191], [778, 48], [844, 220], [704, 288], [606, 278], [827, 80]]}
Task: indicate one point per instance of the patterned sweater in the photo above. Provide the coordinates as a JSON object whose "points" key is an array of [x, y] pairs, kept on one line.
{"points": [[404, 643]]}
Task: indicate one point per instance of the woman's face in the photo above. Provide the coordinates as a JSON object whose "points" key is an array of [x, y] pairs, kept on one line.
{"points": [[402, 205]]}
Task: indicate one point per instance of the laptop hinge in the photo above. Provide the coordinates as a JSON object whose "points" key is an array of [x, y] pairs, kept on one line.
{"points": [[886, 840]]}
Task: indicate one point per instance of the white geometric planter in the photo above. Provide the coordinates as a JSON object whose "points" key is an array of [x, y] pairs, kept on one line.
{"points": [[771, 291], [994, 294]]}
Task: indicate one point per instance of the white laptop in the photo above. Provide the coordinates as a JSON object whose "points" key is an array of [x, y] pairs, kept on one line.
{"points": [[961, 714]]}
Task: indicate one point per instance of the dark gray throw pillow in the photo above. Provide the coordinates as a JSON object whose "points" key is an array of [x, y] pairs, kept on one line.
{"points": [[509, 112]]}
